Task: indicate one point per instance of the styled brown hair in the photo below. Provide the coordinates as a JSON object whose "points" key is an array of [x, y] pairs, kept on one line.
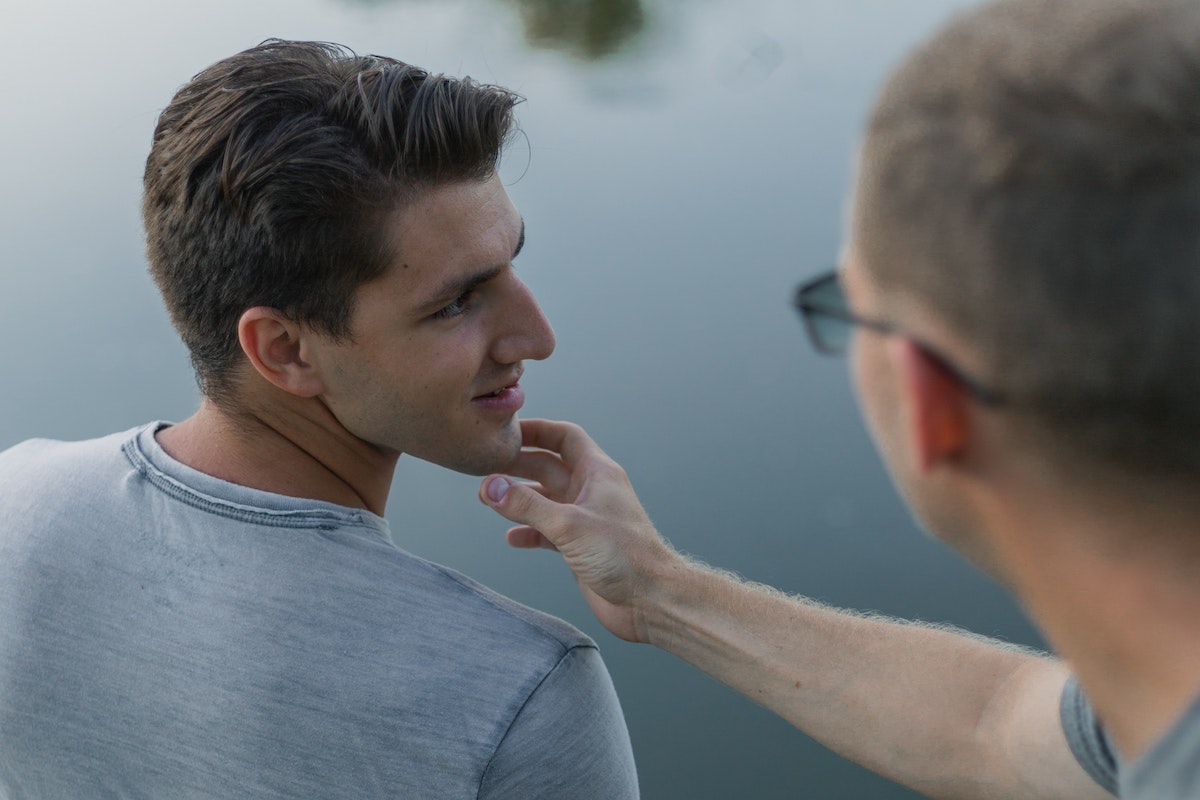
{"points": [[271, 175], [1032, 176]]}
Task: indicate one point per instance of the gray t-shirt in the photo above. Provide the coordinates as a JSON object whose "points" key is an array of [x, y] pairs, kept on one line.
{"points": [[164, 634], [1169, 770]]}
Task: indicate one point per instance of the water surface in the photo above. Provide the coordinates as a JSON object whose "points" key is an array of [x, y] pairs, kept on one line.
{"points": [[684, 165]]}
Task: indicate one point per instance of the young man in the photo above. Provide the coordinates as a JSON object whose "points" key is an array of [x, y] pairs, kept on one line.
{"points": [[1021, 296], [216, 608]]}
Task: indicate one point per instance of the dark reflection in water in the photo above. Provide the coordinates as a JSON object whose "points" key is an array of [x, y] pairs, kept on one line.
{"points": [[589, 29], [586, 29]]}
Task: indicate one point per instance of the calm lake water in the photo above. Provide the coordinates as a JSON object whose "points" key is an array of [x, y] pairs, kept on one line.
{"points": [[684, 165]]}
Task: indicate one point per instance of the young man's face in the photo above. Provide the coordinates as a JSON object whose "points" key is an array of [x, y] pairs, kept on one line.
{"points": [[434, 363]]}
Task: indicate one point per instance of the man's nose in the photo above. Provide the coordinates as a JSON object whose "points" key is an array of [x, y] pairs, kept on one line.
{"points": [[528, 334]]}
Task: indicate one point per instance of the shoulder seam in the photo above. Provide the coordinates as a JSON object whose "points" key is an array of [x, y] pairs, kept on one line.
{"points": [[517, 714], [583, 639]]}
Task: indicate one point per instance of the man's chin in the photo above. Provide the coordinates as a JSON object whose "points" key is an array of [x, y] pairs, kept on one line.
{"points": [[484, 458]]}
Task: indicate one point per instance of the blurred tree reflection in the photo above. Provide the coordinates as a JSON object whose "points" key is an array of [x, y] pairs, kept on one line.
{"points": [[586, 29], [589, 29]]}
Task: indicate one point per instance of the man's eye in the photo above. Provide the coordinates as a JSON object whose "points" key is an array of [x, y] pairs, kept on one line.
{"points": [[454, 308]]}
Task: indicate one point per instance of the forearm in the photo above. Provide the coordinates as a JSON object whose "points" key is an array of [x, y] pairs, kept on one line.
{"points": [[946, 713], [923, 706]]}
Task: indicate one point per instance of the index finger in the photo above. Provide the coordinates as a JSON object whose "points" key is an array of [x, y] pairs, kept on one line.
{"points": [[565, 438]]}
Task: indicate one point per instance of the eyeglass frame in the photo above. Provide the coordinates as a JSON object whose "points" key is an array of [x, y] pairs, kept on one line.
{"points": [[809, 312]]}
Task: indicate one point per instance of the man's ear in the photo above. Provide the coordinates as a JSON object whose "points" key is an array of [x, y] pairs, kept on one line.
{"points": [[275, 346], [937, 406]]}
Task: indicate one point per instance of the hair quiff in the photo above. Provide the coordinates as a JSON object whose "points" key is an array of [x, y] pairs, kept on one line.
{"points": [[271, 175]]}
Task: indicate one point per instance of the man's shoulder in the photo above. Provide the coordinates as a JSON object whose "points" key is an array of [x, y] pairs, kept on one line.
{"points": [[508, 621], [1171, 768], [40, 459]]}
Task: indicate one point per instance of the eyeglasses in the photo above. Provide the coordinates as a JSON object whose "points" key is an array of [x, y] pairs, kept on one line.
{"points": [[830, 322]]}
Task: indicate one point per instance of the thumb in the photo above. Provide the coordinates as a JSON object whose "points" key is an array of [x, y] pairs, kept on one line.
{"points": [[520, 503]]}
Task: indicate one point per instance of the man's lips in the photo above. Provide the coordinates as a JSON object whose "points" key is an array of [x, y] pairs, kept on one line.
{"points": [[497, 392], [507, 399], [502, 384]]}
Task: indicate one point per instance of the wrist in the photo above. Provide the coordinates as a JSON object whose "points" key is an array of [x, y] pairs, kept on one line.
{"points": [[668, 586]]}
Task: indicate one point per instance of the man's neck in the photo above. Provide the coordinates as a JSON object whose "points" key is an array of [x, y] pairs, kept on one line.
{"points": [[290, 446], [1112, 585]]}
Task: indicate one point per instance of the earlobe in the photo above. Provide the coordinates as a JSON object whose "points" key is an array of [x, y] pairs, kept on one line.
{"points": [[937, 407], [274, 345]]}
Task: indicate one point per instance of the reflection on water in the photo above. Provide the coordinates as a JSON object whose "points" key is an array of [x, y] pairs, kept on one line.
{"points": [[587, 29]]}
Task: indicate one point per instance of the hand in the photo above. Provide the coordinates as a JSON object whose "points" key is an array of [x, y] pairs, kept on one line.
{"points": [[582, 504]]}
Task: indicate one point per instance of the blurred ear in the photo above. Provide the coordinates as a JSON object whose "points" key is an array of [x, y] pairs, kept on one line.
{"points": [[275, 346], [937, 407]]}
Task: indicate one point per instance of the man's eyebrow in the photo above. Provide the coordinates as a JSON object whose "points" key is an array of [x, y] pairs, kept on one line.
{"points": [[456, 287], [459, 285]]}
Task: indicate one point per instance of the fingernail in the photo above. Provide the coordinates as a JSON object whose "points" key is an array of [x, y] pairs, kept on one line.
{"points": [[497, 488]]}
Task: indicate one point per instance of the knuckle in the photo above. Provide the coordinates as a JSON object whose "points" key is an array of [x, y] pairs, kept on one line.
{"points": [[519, 499], [611, 470]]}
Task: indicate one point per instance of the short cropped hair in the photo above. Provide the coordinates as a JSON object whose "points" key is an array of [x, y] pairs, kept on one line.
{"points": [[271, 176], [1031, 175]]}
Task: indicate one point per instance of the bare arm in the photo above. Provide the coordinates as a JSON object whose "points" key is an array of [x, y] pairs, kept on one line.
{"points": [[943, 712]]}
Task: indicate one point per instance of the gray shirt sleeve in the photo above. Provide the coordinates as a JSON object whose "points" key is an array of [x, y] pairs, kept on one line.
{"points": [[1086, 736], [568, 742]]}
